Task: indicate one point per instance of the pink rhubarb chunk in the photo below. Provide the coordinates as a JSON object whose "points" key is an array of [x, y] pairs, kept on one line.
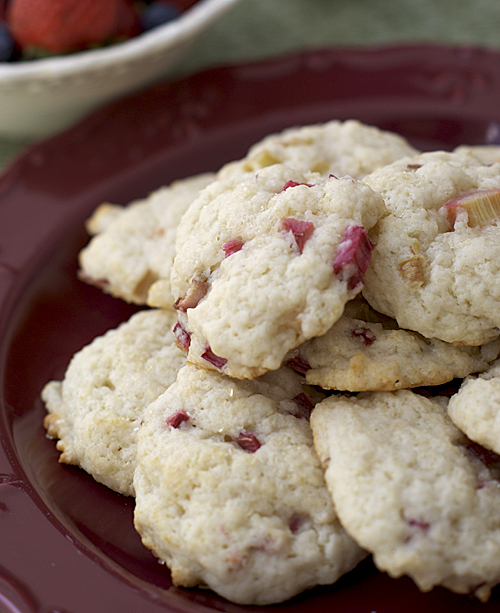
{"points": [[182, 337], [213, 359], [233, 246], [481, 207], [198, 287], [248, 441], [175, 420], [298, 364], [304, 406], [365, 334], [301, 230], [353, 256], [289, 184]]}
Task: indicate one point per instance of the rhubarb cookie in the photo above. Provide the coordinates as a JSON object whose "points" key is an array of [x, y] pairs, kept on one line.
{"points": [[96, 410], [436, 268], [134, 246], [488, 154], [475, 409], [340, 148], [266, 261], [230, 493], [412, 489], [366, 351]]}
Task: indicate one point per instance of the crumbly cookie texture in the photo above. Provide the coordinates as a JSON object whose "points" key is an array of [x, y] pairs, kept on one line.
{"points": [[96, 410], [230, 493], [366, 351], [475, 409], [412, 489], [488, 154], [267, 261], [134, 246], [340, 148], [436, 268]]}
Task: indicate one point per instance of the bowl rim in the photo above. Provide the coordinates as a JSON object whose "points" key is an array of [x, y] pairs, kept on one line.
{"points": [[157, 39]]}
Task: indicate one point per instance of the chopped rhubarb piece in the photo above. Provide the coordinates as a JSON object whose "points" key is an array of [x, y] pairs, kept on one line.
{"points": [[412, 271], [294, 184], [367, 335], [295, 522], [298, 364], [421, 525], [486, 456], [481, 206], [301, 230], [248, 441], [175, 420], [304, 406], [353, 256], [418, 527], [213, 359], [233, 246], [198, 287], [182, 337]]}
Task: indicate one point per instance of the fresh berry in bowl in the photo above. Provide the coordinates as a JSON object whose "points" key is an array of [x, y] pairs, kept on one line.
{"points": [[61, 59], [31, 29]]}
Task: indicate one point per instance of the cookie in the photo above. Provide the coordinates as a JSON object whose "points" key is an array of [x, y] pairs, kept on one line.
{"points": [[475, 409], [96, 410], [488, 154], [266, 261], [340, 148], [134, 246], [412, 489], [230, 493], [365, 351], [436, 269]]}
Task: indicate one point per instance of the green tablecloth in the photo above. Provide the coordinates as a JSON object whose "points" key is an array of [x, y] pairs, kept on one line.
{"points": [[257, 29]]}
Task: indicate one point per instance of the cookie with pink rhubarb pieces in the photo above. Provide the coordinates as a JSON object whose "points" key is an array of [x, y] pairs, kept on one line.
{"points": [[335, 147], [230, 492], [133, 247], [367, 351], [266, 261], [95, 411], [436, 269], [412, 489]]}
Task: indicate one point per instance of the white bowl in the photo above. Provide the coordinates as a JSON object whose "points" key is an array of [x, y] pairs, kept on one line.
{"points": [[42, 97]]}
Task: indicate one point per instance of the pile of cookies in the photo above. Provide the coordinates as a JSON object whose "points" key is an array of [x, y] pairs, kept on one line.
{"points": [[272, 407]]}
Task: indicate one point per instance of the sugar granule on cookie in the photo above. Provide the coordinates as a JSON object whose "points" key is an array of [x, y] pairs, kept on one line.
{"points": [[412, 489], [230, 493]]}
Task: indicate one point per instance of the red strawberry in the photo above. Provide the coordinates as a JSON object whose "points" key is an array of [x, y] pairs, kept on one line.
{"points": [[129, 24], [183, 5], [60, 26]]}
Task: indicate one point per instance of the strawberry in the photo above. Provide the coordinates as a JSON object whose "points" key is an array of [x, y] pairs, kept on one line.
{"points": [[61, 26], [128, 24], [183, 5]]}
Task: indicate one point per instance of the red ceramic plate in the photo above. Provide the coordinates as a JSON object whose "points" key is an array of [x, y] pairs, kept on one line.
{"points": [[67, 544]]}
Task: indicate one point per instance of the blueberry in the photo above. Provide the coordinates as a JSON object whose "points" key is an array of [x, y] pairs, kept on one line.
{"points": [[6, 43], [158, 13]]}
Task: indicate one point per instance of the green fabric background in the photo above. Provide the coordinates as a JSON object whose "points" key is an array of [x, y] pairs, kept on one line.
{"points": [[258, 29]]}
